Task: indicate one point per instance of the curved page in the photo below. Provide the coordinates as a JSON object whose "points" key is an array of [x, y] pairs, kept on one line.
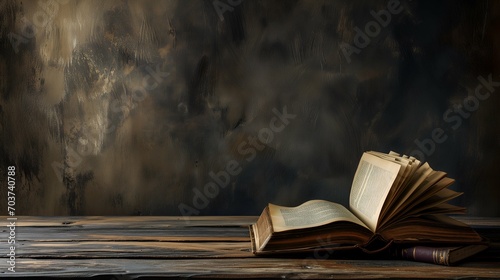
{"points": [[310, 214], [372, 182]]}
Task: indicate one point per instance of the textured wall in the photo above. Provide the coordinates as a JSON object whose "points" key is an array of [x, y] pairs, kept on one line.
{"points": [[219, 107]]}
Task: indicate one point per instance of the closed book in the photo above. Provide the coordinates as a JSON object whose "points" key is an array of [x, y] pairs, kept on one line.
{"points": [[440, 255]]}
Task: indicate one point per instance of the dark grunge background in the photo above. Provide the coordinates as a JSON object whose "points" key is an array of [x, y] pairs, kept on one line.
{"points": [[126, 107]]}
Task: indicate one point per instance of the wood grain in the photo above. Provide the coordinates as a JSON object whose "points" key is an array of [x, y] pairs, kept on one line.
{"points": [[206, 247], [252, 268]]}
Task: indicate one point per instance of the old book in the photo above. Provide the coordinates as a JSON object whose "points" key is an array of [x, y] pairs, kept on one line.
{"points": [[438, 255], [393, 199]]}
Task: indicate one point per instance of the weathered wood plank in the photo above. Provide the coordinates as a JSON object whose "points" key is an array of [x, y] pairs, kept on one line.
{"points": [[131, 249], [51, 234], [249, 268], [133, 221], [154, 229]]}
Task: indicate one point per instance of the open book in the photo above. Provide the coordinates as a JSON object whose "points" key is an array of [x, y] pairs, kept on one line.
{"points": [[393, 199]]}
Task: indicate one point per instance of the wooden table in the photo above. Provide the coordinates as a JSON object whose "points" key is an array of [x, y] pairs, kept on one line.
{"points": [[206, 247]]}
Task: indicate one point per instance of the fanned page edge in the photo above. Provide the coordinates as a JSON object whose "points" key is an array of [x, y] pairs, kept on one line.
{"points": [[262, 229]]}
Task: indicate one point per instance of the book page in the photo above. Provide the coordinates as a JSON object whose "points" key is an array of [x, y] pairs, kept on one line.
{"points": [[409, 166], [372, 182], [418, 178], [309, 214], [433, 183]]}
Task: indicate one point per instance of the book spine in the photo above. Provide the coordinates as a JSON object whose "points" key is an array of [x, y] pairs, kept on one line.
{"points": [[427, 254]]}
